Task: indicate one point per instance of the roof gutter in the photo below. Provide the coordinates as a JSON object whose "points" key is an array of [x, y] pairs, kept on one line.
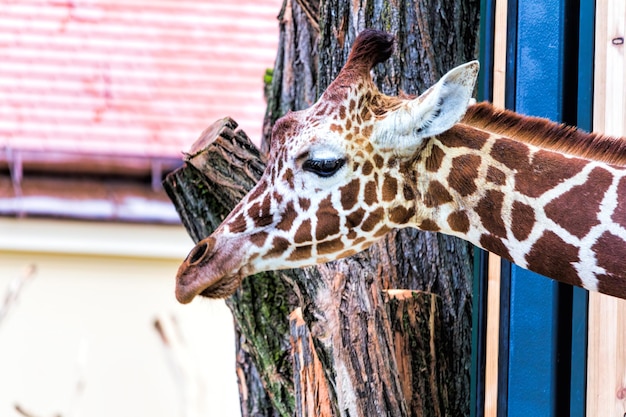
{"points": [[85, 186]]}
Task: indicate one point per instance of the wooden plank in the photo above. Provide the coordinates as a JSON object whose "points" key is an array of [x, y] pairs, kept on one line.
{"points": [[493, 336], [609, 87], [499, 54], [493, 282], [606, 372]]}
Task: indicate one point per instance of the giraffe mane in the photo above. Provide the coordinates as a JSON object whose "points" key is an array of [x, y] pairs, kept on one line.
{"points": [[547, 134]]}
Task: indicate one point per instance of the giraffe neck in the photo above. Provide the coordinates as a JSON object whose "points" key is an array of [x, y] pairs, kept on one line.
{"points": [[555, 214]]}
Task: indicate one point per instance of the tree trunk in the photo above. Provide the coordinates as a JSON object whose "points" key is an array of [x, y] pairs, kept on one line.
{"points": [[221, 168], [375, 352]]}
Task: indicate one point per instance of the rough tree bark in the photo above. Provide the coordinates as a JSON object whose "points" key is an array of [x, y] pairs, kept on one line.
{"points": [[358, 349]]}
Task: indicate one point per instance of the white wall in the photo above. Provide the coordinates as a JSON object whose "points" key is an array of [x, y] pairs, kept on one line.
{"points": [[101, 286]]}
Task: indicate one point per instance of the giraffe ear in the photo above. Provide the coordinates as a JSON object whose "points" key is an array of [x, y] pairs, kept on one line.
{"points": [[445, 103], [433, 112]]}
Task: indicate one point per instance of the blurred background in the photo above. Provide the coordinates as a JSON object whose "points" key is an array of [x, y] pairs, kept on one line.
{"points": [[98, 98]]}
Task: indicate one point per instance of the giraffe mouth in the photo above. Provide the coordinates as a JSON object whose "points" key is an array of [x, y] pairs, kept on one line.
{"points": [[210, 271], [224, 287]]}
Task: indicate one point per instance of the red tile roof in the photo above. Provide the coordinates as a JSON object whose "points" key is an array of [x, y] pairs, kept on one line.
{"points": [[131, 76]]}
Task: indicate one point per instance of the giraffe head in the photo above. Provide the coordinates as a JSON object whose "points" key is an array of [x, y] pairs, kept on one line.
{"points": [[336, 180]]}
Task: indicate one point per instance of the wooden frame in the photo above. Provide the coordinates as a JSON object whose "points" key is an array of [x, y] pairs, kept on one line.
{"points": [[606, 372]]}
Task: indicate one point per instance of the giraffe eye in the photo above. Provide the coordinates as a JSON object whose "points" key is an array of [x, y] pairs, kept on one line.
{"points": [[323, 167]]}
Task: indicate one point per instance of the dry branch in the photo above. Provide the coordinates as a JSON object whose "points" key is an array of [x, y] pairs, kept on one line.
{"points": [[14, 289], [181, 363]]}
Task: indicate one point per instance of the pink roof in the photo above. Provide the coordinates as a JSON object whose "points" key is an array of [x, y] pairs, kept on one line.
{"points": [[131, 76]]}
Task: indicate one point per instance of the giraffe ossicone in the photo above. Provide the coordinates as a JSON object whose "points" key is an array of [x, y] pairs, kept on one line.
{"points": [[358, 164]]}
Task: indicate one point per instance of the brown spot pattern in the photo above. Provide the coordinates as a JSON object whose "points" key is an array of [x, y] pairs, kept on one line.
{"points": [[327, 220], [401, 214], [382, 231], [522, 220], [495, 176], [367, 131], [342, 112], [355, 218], [408, 192], [428, 226], [513, 154], [279, 164], [288, 178], [279, 246], [370, 195], [463, 174], [495, 245], [350, 194], [553, 257], [373, 219], [379, 161], [577, 209], [433, 162], [436, 195], [330, 246], [260, 212], [619, 215], [346, 253], [390, 188], [459, 222], [257, 191], [548, 170], [336, 128], [460, 136], [305, 203], [300, 253], [489, 208], [610, 252], [366, 114], [237, 224], [303, 234], [277, 197], [367, 168], [287, 218], [322, 110], [259, 238]]}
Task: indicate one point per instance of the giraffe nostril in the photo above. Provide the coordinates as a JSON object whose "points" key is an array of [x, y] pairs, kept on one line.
{"points": [[198, 252]]}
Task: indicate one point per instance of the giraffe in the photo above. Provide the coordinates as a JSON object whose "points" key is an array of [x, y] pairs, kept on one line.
{"points": [[358, 163]]}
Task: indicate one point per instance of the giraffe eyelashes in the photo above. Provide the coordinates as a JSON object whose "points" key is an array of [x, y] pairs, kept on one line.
{"points": [[323, 167]]}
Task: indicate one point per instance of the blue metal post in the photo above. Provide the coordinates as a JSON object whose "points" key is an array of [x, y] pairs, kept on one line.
{"points": [[534, 299]]}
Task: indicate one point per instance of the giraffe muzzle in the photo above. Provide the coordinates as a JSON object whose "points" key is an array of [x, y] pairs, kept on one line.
{"points": [[210, 270]]}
